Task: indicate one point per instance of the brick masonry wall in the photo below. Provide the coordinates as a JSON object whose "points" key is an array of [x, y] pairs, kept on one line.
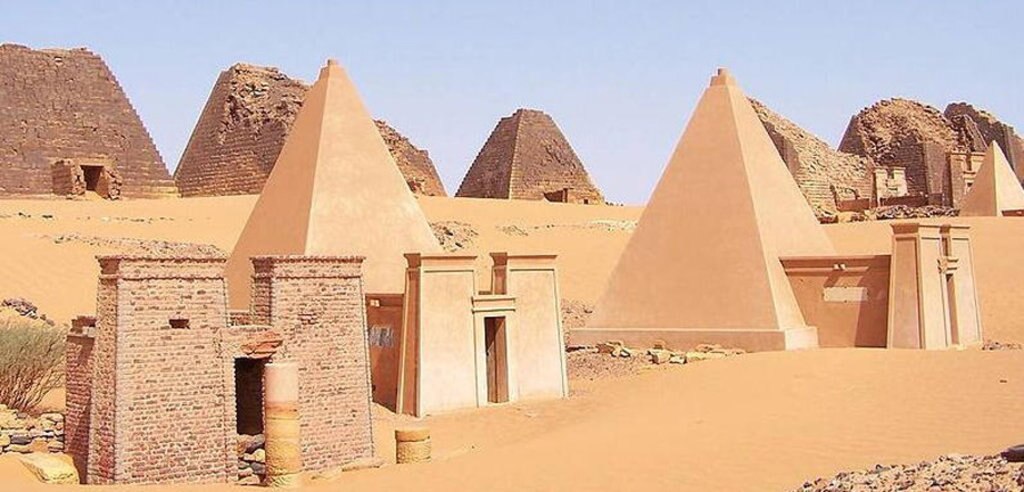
{"points": [[61, 104], [244, 125], [159, 395], [527, 157], [316, 304], [78, 388]]}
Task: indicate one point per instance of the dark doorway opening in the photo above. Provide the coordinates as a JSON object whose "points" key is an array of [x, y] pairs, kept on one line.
{"points": [[92, 177], [249, 396], [497, 359]]}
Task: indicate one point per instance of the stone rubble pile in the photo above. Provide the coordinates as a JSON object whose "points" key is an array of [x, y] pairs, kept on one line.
{"points": [[453, 235], [994, 345], [21, 433], [251, 458], [948, 473], [660, 354]]}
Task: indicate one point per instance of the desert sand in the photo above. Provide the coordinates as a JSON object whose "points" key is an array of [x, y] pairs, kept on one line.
{"points": [[766, 421], [49, 245]]}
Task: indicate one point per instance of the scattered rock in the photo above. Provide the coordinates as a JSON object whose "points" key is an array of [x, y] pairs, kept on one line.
{"points": [[994, 345], [950, 472], [51, 469], [453, 235]]}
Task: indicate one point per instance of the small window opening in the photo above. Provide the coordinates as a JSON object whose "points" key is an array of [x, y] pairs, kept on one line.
{"points": [[179, 323]]}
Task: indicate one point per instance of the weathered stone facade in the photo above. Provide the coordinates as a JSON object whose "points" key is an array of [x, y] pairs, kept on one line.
{"points": [[414, 163], [247, 118], [937, 153], [526, 157], [988, 128], [825, 176], [152, 387], [66, 106]]}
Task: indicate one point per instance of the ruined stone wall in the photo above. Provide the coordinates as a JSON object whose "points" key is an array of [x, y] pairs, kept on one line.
{"points": [[991, 129], [316, 304], [528, 158], [66, 104], [816, 167], [158, 391], [244, 125]]}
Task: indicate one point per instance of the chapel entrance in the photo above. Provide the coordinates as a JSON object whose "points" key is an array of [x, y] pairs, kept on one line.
{"points": [[249, 396], [92, 177], [497, 359]]}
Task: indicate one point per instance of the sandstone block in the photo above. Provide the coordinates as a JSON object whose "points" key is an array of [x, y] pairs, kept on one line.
{"points": [[51, 469]]}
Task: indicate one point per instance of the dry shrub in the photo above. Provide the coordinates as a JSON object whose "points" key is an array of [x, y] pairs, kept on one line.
{"points": [[31, 360]]}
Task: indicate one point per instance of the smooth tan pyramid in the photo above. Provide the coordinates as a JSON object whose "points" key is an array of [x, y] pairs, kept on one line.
{"points": [[996, 191], [335, 190], [703, 265]]}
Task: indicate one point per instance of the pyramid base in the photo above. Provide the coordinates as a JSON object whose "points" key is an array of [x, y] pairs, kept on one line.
{"points": [[752, 340]]}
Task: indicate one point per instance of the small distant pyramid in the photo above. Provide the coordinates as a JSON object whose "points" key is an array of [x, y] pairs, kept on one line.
{"points": [[527, 158], [335, 190], [703, 264], [996, 191]]}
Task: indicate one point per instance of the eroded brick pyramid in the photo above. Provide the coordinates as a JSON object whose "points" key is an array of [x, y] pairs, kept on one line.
{"points": [[247, 118], [60, 105], [528, 158]]}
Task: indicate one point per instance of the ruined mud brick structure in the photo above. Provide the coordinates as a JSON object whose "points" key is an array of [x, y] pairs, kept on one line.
{"points": [[161, 387], [922, 156], [67, 127], [526, 157], [825, 176], [986, 128], [243, 127], [737, 258]]}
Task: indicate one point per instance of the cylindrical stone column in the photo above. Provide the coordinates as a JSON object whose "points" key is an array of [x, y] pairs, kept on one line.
{"points": [[281, 424], [412, 445]]}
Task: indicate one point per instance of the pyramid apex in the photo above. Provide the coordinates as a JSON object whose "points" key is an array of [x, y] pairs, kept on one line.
{"points": [[723, 77], [331, 66]]}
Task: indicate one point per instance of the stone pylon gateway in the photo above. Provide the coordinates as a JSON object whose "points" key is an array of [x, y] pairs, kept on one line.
{"points": [[703, 264], [996, 191], [335, 189]]}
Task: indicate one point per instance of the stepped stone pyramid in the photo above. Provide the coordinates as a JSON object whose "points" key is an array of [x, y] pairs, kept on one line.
{"points": [[990, 129], [703, 265], [335, 190], [244, 124], [527, 158], [996, 190], [64, 108], [821, 172]]}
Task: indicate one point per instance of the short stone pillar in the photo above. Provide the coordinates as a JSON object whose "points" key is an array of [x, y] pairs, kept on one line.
{"points": [[281, 424], [412, 445]]}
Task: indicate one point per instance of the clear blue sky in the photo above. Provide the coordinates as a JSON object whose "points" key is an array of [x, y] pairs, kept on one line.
{"points": [[620, 78]]}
